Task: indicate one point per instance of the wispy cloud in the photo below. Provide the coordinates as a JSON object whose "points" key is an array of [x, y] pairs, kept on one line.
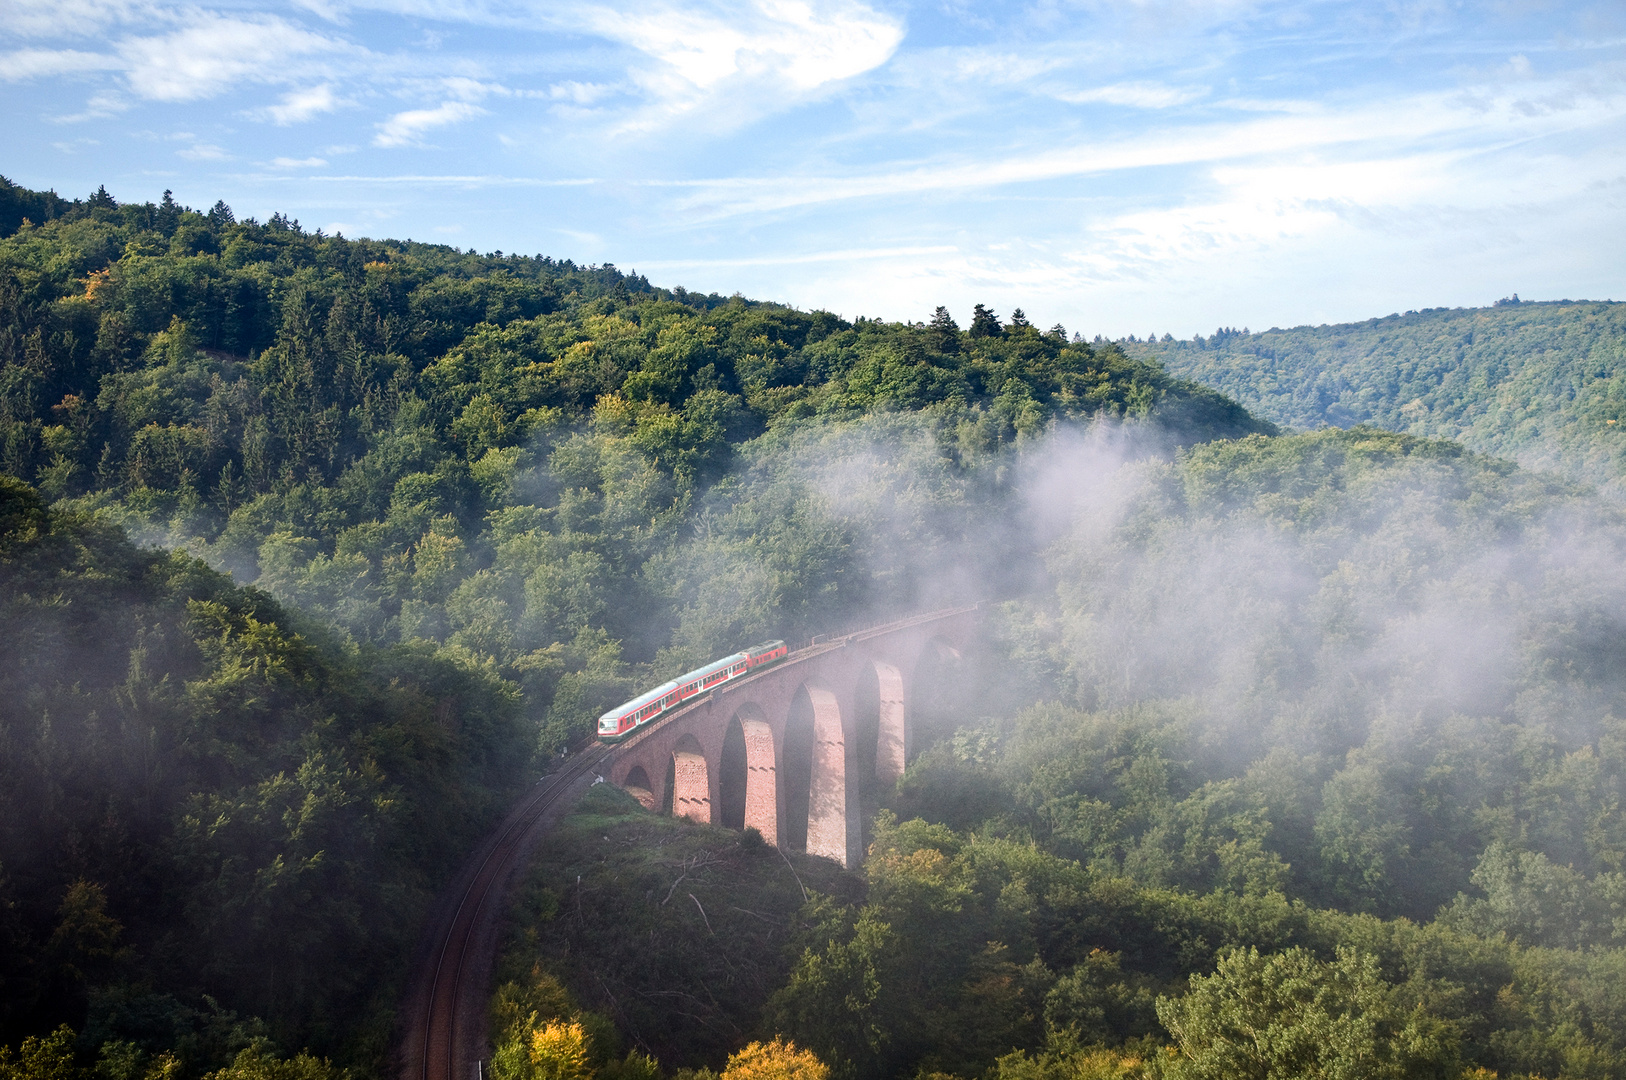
{"points": [[203, 152], [75, 18], [408, 128], [1366, 131], [580, 93], [214, 52], [842, 255], [46, 63], [804, 43], [1139, 95], [210, 54], [298, 106], [875, 152]]}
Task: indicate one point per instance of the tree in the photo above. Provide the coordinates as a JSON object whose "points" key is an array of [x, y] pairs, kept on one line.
{"points": [[49, 1057], [985, 323], [776, 1060], [943, 333], [1290, 1015], [169, 214], [559, 1051], [556, 1050], [257, 1063]]}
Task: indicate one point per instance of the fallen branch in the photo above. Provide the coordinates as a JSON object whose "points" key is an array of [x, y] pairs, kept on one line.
{"points": [[689, 866], [753, 914], [793, 872], [709, 930]]}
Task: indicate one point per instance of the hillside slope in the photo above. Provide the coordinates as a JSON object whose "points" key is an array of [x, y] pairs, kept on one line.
{"points": [[1543, 384], [482, 497], [538, 463], [216, 824]]}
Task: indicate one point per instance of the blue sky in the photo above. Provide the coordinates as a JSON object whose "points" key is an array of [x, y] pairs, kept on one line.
{"points": [[1119, 167]]}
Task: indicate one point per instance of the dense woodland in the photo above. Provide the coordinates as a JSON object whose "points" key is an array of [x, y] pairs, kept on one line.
{"points": [[1285, 754], [1543, 384], [220, 823], [1329, 717]]}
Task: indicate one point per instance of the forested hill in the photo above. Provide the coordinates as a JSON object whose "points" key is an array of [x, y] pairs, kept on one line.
{"points": [[416, 441], [1313, 735], [1543, 384], [218, 826], [480, 498]]}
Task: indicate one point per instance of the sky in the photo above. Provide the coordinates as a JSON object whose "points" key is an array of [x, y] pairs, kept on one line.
{"points": [[1116, 166]]}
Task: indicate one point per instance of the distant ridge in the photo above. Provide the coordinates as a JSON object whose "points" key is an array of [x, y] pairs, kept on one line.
{"points": [[1541, 383]]}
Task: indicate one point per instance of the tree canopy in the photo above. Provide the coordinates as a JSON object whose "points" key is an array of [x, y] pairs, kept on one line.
{"points": [[1537, 383], [1284, 755]]}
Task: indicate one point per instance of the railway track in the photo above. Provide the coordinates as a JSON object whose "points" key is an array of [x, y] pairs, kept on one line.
{"points": [[449, 1025]]}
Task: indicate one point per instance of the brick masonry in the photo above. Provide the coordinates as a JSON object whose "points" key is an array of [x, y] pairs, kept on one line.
{"points": [[830, 672]]}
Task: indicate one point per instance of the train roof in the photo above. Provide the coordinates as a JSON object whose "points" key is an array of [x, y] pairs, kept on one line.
{"points": [[667, 687], [702, 672]]}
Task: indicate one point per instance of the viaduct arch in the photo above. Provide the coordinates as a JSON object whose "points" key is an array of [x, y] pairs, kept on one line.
{"points": [[783, 746]]}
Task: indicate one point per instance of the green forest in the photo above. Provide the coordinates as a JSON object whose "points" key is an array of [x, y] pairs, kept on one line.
{"points": [[1284, 755], [1543, 384]]}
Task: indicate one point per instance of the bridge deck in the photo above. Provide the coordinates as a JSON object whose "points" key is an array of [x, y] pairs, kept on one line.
{"points": [[800, 656]]}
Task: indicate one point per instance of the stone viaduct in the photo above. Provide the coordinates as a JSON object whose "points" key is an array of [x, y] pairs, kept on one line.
{"points": [[782, 749]]}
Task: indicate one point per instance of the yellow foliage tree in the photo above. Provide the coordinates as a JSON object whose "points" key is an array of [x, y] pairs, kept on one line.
{"points": [[559, 1052], [777, 1060]]}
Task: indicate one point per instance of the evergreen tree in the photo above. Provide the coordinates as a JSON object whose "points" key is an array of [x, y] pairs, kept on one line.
{"points": [[984, 323], [943, 333]]}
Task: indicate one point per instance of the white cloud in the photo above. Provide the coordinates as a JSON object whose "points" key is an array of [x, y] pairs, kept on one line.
{"points": [[73, 18], [322, 9], [843, 255], [1139, 95], [408, 127], [214, 53], [297, 106], [1369, 131], [579, 93], [803, 44], [299, 163], [37, 63], [203, 152], [465, 89], [99, 106]]}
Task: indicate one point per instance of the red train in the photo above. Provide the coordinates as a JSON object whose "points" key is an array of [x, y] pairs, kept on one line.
{"points": [[623, 720]]}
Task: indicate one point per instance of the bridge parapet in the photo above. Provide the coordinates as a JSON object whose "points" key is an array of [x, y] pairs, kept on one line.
{"points": [[780, 750]]}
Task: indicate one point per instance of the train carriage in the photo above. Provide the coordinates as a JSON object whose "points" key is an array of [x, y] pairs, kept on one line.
{"points": [[626, 718]]}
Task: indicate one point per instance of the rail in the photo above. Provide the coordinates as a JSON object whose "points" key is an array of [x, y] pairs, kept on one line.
{"points": [[439, 1022]]}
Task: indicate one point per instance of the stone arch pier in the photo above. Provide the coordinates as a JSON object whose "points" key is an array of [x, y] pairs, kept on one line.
{"points": [[780, 750]]}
